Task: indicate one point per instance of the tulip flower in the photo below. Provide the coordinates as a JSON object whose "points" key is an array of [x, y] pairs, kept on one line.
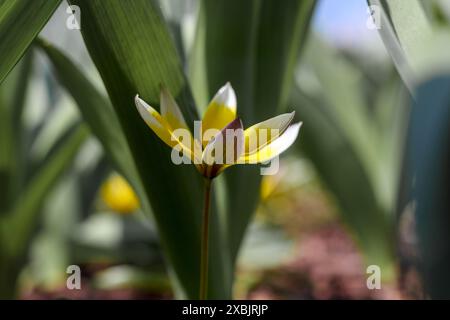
{"points": [[219, 142], [118, 195]]}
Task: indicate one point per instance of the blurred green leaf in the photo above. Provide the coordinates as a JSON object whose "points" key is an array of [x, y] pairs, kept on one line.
{"points": [[432, 57], [134, 53], [20, 23], [339, 124], [264, 247], [50, 253], [19, 223], [390, 115], [373, 125], [98, 113], [6, 159], [12, 100], [404, 27], [335, 75], [428, 142], [323, 140], [110, 236], [120, 277]]}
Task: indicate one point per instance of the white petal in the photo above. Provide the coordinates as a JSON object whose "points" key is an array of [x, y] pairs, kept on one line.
{"points": [[221, 110], [256, 139], [170, 110], [147, 112], [276, 147], [154, 120], [226, 97]]}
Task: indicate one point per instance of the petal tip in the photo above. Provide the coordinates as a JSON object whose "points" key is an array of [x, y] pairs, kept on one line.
{"points": [[141, 104], [226, 96], [291, 116], [295, 128], [144, 109]]}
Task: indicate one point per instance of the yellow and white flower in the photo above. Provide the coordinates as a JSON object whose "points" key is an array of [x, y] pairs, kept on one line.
{"points": [[257, 144], [118, 195]]}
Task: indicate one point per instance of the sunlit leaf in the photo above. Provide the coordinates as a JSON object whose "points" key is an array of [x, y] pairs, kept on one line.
{"points": [[130, 44], [404, 27], [20, 23], [98, 113], [255, 51]]}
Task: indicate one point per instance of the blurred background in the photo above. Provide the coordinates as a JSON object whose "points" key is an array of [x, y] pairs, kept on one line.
{"points": [[365, 183]]}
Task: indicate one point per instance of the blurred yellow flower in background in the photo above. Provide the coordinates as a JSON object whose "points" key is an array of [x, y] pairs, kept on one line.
{"points": [[268, 185], [118, 195]]}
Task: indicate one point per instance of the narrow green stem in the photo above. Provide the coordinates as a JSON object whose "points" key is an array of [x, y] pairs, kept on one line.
{"points": [[205, 239]]}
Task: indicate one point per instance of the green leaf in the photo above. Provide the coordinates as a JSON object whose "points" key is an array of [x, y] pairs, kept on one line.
{"points": [[349, 108], [254, 45], [98, 113], [120, 277], [391, 108], [264, 247], [12, 101], [5, 155], [323, 139], [341, 125], [404, 27], [428, 142], [20, 23], [130, 44], [50, 251], [282, 34], [17, 226], [232, 58]]}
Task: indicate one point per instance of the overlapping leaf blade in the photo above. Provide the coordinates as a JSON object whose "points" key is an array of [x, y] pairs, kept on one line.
{"points": [[404, 27], [428, 145], [252, 44], [345, 176], [20, 23], [133, 51], [18, 224], [98, 113]]}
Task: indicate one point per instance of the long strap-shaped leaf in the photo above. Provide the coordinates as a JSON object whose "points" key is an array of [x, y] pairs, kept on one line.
{"points": [[427, 161], [100, 116], [6, 159], [282, 33], [16, 227], [98, 113], [133, 51], [254, 45], [403, 28], [346, 177], [228, 47], [20, 23]]}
